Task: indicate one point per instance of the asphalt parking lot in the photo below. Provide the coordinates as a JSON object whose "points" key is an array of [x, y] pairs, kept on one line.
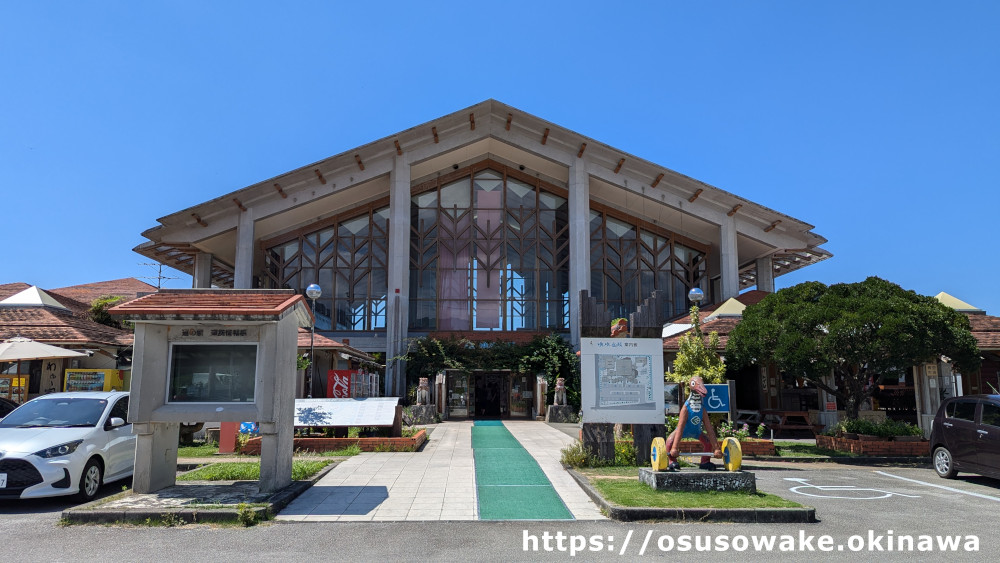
{"points": [[850, 501]]}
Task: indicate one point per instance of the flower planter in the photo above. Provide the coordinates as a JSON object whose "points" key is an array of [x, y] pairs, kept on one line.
{"points": [[749, 447], [411, 444], [870, 438], [881, 448]]}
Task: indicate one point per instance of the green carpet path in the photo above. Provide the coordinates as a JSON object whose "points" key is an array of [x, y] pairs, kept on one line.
{"points": [[509, 483]]}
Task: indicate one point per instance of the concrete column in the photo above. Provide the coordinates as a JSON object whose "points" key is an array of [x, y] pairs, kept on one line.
{"points": [[398, 307], [243, 275], [579, 242], [729, 259], [202, 277], [765, 274], [156, 456]]}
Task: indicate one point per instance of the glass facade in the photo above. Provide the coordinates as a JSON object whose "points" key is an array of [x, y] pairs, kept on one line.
{"points": [[489, 251], [630, 260], [348, 259]]}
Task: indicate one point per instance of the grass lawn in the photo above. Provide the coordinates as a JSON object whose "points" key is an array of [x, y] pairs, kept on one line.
{"points": [[798, 449], [353, 449], [630, 492], [250, 471], [198, 450]]}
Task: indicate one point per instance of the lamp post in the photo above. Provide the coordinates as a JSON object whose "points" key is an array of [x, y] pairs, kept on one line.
{"points": [[312, 292]]}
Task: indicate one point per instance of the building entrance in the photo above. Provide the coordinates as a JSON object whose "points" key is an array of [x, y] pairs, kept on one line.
{"points": [[491, 393], [485, 394]]}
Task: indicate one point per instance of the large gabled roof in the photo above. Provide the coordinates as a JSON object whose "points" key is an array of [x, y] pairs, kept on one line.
{"points": [[491, 128]]}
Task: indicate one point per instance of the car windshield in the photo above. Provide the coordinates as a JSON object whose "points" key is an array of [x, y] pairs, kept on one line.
{"points": [[56, 412]]}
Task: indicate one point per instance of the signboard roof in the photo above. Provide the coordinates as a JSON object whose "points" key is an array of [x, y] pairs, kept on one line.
{"points": [[371, 411]]}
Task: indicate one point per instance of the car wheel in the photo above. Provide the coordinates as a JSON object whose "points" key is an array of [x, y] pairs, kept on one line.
{"points": [[90, 480], [944, 465]]}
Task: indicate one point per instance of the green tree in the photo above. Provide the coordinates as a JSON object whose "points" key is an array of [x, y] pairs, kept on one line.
{"points": [[857, 332], [696, 357], [99, 312]]}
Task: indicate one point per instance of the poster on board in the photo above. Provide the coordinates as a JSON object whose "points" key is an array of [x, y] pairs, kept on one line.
{"points": [[622, 380]]}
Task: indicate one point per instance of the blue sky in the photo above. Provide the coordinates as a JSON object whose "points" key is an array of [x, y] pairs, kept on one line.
{"points": [[877, 122]]}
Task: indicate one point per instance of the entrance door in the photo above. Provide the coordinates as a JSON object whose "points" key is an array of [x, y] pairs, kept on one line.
{"points": [[491, 393], [458, 395]]}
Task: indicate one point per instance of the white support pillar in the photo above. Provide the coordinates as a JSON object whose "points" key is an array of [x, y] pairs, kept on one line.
{"points": [[579, 242], [243, 274], [398, 307], [765, 274], [202, 277], [729, 259]]}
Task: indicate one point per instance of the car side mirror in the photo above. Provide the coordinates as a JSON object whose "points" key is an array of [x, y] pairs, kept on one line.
{"points": [[116, 421]]}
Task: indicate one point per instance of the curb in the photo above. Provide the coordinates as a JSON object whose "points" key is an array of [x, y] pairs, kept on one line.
{"points": [[861, 460], [740, 515], [90, 513]]}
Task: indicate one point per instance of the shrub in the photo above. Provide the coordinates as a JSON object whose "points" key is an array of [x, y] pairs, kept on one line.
{"points": [[884, 429], [575, 455], [727, 430], [624, 451]]}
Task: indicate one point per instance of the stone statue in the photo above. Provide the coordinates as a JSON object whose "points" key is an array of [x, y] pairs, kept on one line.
{"points": [[690, 424], [423, 392], [560, 392]]}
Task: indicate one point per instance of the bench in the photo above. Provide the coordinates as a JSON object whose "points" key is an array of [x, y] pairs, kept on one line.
{"points": [[792, 420]]}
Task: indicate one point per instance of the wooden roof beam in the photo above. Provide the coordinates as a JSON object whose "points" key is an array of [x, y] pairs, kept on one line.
{"points": [[656, 182], [510, 117], [239, 204], [695, 196], [277, 186], [620, 164], [199, 220], [583, 147], [734, 209], [399, 149], [771, 227], [545, 135], [434, 131], [472, 122], [319, 175], [361, 165]]}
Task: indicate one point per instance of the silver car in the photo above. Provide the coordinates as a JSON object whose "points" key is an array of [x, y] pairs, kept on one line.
{"points": [[66, 444]]}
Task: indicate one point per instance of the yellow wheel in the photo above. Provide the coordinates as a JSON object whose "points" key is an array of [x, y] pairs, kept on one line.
{"points": [[658, 455], [732, 454]]}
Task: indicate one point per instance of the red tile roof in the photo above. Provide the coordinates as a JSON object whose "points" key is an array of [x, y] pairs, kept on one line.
{"points": [[8, 289], [325, 343], [211, 302], [52, 327], [721, 325], [986, 329], [129, 288]]}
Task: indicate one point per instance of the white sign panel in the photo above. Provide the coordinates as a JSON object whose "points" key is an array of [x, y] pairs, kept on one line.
{"points": [[371, 411], [622, 380]]}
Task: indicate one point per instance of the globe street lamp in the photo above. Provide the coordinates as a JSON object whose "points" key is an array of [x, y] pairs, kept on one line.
{"points": [[696, 295], [312, 292]]}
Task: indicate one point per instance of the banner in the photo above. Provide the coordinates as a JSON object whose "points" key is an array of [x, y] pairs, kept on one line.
{"points": [[338, 383]]}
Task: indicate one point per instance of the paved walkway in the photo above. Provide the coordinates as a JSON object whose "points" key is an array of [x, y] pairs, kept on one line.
{"points": [[438, 483]]}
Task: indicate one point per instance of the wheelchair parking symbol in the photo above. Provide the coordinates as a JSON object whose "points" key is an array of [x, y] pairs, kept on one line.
{"points": [[849, 492]]}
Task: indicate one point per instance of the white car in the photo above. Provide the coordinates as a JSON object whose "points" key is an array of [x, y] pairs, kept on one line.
{"points": [[66, 444]]}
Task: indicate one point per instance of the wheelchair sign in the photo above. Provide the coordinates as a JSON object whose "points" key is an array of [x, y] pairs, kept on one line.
{"points": [[717, 399]]}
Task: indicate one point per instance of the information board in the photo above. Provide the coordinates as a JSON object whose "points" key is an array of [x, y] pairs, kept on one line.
{"points": [[371, 411], [622, 380]]}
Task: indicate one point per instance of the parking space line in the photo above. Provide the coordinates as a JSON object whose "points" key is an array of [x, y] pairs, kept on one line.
{"points": [[952, 489]]}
